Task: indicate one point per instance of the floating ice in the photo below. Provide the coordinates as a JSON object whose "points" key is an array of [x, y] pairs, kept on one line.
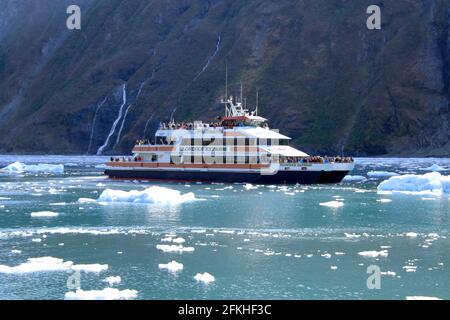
{"points": [[16, 251], [412, 235], [352, 235], [333, 268], [332, 204], [44, 214], [156, 195], [172, 266], [432, 182], [249, 186], [204, 277], [174, 248], [410, 268], [421, 298], [381, 174], [350, 178], [105, 294], [434, 167], [388, 273], [178, 240], [47, 264], [19, 167], [384, 200], [113, 280], [95, 268], [374, 254], [43, 264]]}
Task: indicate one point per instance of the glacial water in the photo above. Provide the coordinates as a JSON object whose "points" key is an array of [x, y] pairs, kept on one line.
{"points": [[258, 242]]}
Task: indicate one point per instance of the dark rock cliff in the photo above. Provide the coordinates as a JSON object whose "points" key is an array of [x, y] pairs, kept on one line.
{"points": [[323, 77]]}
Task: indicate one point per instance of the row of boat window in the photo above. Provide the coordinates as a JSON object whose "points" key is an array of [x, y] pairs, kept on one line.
{"points": [[230, 141], [220, 160], [235, 142]]}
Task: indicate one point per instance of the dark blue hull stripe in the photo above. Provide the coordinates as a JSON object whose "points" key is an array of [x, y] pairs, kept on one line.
{"points": [[301, 177]]}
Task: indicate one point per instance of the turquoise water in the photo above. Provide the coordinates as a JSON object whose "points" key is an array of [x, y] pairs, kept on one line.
{"points": [[259, 242]]}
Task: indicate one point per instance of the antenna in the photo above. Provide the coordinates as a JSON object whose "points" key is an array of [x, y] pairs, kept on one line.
{"points": [[257, 101], [226, 81], [241, 92]]}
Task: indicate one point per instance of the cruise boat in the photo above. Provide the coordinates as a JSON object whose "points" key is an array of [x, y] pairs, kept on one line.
{"points": [[239, 147]]}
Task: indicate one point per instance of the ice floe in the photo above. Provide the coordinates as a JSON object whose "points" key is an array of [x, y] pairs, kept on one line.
{"points": [[350, 178], [151, 195], [381, 174], [433, 182], [94, 268], [47, 264], [410, 268], [421, 298], [332, 204], [112, 280], [374, 254], [411, 235], [19, 167], [204, 277], [174, 248], [172, 266], [44, 214], [352, 235], [105, 294], [434, 167]]}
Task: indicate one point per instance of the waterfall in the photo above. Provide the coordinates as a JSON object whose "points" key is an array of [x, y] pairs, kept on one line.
{"points": [[113, 128], [219, 40], [147, 123], [126, 113], [173, 114], [94, 121]]}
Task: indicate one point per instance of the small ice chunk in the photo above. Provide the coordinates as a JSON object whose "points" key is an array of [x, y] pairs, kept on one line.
{"points": [[374, 254], [179, 240], [172, 266], [350, 178], [95, 268], [352, 235], [332, 204], [434, 167], [113, 280], [381, 174], [44, 214], [105, 294], [174, 248], [412, 235], [421, 298], [204, 277]]}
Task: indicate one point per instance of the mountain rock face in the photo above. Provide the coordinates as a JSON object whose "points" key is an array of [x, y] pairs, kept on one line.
{"points": [[323, 77]]}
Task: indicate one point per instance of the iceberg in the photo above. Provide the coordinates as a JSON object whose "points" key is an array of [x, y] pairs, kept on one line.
{"points": [[19, 167], [374, 254], [204, 277], [434, 167], [433, 182], [332, 204], [151, 195], [50, 264], [381, 174], [112, 280], [105, 294], [43, 264], [350, 178], [44, 214], [422, 298], [171, 266]]}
